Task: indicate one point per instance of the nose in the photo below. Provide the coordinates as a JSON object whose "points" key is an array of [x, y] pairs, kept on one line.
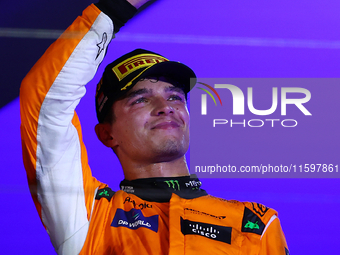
{"points": [[162, 107]]}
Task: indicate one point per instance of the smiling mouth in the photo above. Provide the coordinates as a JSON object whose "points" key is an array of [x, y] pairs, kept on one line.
{"points": [[166, 125]]}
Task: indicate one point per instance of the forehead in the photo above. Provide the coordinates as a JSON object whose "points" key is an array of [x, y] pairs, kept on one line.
{"points": [[150, 85]]}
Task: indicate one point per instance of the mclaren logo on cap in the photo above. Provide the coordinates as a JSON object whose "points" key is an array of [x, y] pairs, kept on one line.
{"points": [[136, 62]]}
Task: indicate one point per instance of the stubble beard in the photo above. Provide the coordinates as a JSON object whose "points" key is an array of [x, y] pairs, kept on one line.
{"points": [[170, 149]]}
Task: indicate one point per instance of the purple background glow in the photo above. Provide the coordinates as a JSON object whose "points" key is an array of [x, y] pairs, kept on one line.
{"points": [[240, 39]]}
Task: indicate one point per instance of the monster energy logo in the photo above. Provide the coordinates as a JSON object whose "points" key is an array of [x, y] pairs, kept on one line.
{"points": [[173, 184]]}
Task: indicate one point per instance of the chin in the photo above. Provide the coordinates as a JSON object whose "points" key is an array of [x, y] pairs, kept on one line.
{"points": [[171, 150]]}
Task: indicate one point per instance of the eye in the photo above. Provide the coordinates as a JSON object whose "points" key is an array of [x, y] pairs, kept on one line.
{"points": [[175, 97], [139, 100]]}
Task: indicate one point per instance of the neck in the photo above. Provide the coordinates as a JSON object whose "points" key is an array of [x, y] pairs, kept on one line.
{"points": [[174, 168]]}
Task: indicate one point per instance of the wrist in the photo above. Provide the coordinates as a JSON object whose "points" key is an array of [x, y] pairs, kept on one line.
{"points": [[120, 11]]}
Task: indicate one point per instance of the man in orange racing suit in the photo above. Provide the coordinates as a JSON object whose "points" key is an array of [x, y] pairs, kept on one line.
{"points": [[143, 117]]}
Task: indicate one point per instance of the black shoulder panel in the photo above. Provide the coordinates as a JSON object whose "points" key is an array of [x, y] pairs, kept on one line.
{"points": [[252, 223], [105, 192]]}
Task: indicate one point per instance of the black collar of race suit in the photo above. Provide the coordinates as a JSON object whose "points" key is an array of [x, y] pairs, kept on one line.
{"points": [[160, 189]]}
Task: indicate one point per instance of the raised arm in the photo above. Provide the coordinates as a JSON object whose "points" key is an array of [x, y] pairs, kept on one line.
{"points": [[54, 155]]}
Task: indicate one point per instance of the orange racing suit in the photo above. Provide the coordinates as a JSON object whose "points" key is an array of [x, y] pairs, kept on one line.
{"points": [[147, 216]]}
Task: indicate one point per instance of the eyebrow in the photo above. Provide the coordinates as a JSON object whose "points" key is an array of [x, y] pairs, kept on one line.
{"points": [[149, 91], [176, 89], [139, 92]]}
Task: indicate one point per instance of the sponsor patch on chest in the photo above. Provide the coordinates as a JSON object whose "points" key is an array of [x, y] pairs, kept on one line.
{"points": [[134, 219], [211, 231]]}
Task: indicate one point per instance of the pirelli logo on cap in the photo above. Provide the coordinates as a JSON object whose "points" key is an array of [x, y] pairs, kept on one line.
{"points": [[134, 63]]}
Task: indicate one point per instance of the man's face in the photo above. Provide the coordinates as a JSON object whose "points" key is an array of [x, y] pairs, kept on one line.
{"points": [[151, 123]]}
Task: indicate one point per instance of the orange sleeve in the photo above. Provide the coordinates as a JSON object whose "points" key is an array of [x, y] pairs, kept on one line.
{"points": [[54, 155], [273, 241]]}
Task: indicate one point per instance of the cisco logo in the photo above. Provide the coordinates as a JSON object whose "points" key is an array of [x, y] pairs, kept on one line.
{"points": [[211, 231], [207, 232]]}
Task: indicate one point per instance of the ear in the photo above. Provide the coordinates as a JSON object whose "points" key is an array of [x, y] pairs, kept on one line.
{"points": [[104, 134]]}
